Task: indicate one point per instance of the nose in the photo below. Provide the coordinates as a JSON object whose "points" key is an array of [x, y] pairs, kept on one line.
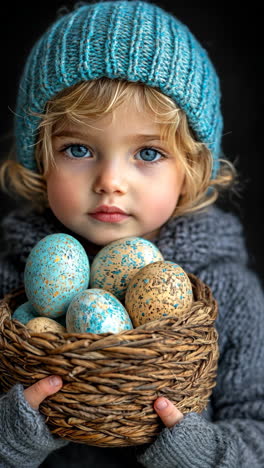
{"points": [[110, 178]]}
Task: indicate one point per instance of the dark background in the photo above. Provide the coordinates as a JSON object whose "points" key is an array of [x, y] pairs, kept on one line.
{"points": [[233, 39]]}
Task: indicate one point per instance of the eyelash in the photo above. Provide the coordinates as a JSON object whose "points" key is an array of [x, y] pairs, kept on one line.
{"points": [[69, 145]]}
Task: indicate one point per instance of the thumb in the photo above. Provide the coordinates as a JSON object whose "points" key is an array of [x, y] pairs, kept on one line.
{"points": [[167, 412], [42, 389]]}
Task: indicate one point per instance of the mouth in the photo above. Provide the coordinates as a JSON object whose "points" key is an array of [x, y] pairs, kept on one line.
{"points": [[109, 214]]}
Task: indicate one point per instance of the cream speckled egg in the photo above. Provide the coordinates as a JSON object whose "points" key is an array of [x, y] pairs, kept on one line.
{"points": [[97, 311], [115, 265], [57, 268], [45, 324], [158, 290]]}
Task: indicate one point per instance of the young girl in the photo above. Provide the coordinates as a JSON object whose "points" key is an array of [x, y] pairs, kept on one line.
{"points": [[118, 133]]}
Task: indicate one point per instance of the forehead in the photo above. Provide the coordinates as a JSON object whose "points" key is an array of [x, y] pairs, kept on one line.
{"points": [[127, 119]]}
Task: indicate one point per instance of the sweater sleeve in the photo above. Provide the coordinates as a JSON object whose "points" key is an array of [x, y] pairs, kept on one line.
{"points": [[234, 438], [25, 439]]}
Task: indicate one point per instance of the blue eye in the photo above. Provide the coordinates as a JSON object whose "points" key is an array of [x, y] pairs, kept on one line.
{"points": [[76, 151], [150, 155]]}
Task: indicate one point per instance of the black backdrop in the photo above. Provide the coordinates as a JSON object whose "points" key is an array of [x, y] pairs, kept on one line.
{"points": [[233, 39]]}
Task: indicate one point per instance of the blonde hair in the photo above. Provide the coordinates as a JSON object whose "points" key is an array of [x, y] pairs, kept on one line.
{"points": [[96, 98]]}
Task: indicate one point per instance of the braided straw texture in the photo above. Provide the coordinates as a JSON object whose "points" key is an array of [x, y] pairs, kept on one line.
{"points": [[112, 380]]}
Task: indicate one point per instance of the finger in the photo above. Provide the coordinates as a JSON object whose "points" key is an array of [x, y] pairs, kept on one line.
{"points": [[42, 389], [167, 412]]}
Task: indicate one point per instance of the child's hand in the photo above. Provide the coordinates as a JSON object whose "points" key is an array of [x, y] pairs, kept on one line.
{"points": [[42, 389], [167, 412]]}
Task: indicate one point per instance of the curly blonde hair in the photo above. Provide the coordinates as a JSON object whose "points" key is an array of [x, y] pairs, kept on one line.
{"points": [[95, 98]]}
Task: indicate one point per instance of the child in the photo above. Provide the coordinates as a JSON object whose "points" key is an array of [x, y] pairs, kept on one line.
{"points": [[118, 133]]}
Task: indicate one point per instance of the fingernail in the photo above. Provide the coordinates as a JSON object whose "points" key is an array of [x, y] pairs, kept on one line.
{"points": [[161, 404], [54, 381]]}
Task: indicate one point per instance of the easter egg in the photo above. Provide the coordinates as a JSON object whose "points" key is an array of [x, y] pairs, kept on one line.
{"points": [[116, 263], [24, 313], [97, 311], [158, 290], [45, 324], [57, 268]]}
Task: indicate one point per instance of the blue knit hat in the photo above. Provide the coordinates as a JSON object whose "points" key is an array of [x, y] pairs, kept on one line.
{"points": [[132, 40]]}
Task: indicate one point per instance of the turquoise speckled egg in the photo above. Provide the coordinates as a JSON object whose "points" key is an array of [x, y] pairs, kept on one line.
{"points": [[115, 264], [57, 268], [24, 313], [97, 311]]}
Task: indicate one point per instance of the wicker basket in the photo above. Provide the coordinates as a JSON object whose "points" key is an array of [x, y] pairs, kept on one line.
{"points": [[112, 380]]}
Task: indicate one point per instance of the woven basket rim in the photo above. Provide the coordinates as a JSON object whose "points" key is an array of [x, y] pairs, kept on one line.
{"points": [[206, 299]]}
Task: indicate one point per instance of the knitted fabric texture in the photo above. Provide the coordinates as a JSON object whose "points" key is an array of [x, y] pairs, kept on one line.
{"points": [[131, 40], [231, 432], [23, 424]]}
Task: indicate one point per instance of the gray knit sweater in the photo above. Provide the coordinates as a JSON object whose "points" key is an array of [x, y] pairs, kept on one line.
{"points": [[231, 432]]}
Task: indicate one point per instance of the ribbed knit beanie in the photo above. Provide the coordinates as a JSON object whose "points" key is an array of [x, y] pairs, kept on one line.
{"points": [[131, 40]]}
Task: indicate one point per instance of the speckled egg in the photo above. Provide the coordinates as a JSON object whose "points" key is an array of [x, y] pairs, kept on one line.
{"points": [[24, 313], [45, 324], [158, 290], [57, 268], [115, 265], [97, 311]]}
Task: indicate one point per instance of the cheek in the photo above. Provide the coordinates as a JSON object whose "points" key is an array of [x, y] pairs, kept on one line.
{"points": [[162, 198], [162, 206], [62, 194]]}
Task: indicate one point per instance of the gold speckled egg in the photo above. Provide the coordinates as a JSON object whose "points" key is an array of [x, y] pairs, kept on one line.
{"points": [[116, 263], [158, 290]]}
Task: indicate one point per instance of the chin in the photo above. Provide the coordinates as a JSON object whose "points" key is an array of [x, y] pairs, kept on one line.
{"points": [[102, 241]]}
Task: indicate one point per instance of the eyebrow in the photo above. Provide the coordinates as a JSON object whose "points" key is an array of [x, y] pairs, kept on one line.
{"points": [[140, 136]]}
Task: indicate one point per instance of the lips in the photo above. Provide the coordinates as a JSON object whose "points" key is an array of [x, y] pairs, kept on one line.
{"points": [[108, 209], [109, 214]]}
